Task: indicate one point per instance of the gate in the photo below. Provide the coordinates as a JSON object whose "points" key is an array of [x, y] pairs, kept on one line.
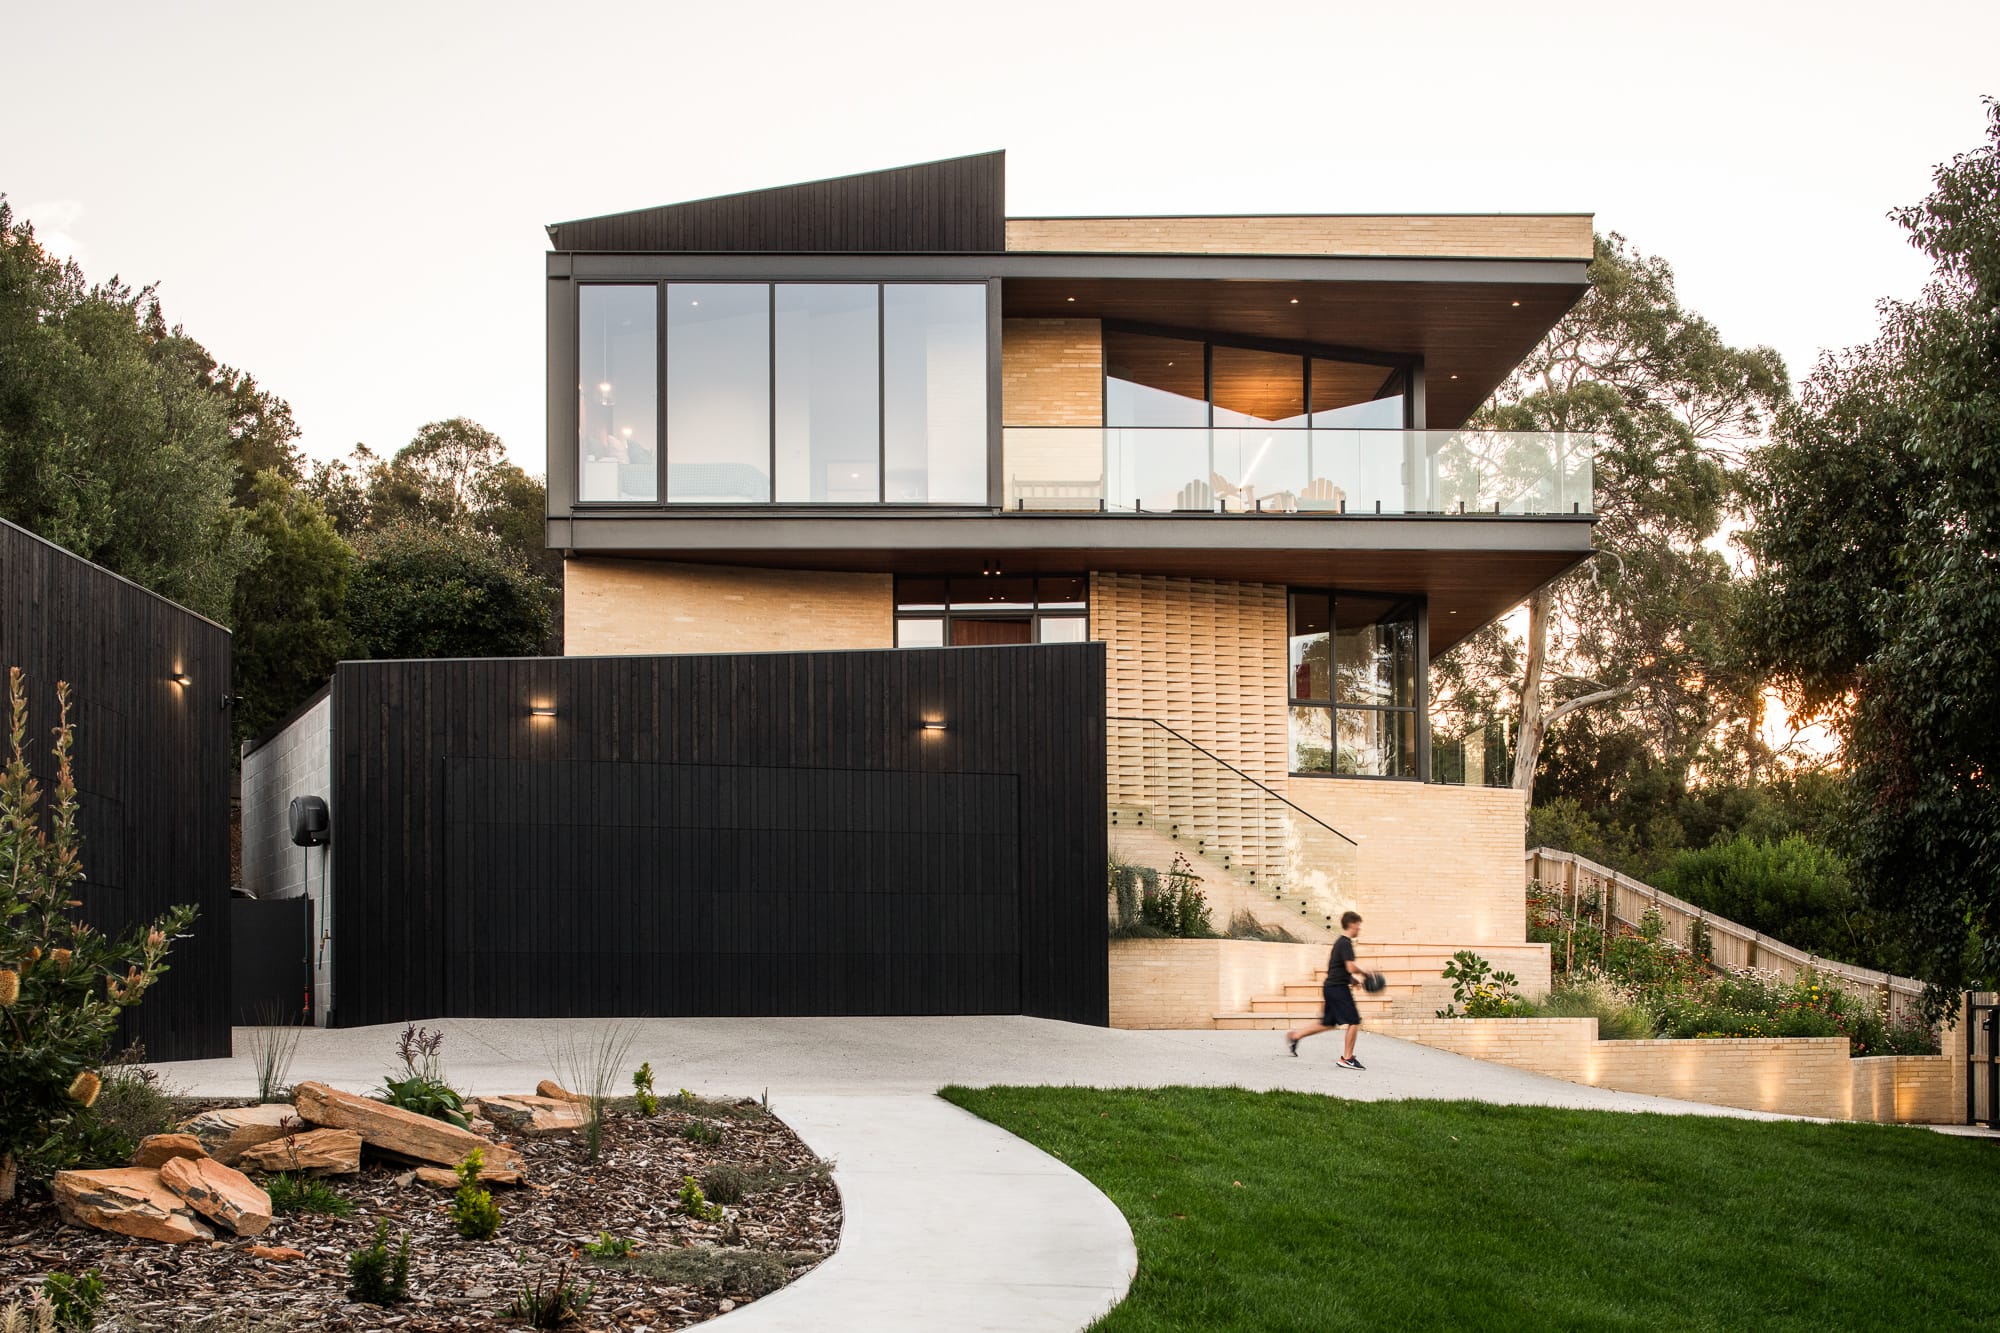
{"points": [[1982, 1059]]}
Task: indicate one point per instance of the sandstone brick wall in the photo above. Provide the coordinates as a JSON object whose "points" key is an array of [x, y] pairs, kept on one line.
{"points": [[1185, 983], [1496, 235], [655, 606], [1789, 1075], [1437, 864], [1051, 372], [1910, 1089]]}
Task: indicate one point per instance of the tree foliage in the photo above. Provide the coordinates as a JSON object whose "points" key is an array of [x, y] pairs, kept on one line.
{"points": [[117, 437], [426, 591], [290, 608], [1671, 402], [1877, 600]]}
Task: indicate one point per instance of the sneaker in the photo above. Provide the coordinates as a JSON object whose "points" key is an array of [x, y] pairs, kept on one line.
{"points": [[1293, 1042], [1348, 1062]]}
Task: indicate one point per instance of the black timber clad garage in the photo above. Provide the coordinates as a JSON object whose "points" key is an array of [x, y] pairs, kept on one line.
{"points": [[148, 683], [755, 834]]}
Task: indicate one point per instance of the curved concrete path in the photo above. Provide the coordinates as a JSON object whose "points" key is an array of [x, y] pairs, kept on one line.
{"points": [[948, 1222]]}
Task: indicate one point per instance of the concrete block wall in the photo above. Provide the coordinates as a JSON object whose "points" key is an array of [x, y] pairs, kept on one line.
{"points": [[656, 606], [297, 761]]}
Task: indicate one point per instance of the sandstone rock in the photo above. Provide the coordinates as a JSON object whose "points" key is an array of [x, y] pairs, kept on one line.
{"points": [[129, 1200], [548, 1087], [481, 1126], [438, 1178], [533, 1116], [317, 1152], [391, 1129], [157, 1148], [227, 1131], [220, 1193], [276, 1253]]}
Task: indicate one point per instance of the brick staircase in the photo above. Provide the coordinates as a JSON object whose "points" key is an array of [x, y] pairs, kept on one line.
{"points": [[1415, 973]]}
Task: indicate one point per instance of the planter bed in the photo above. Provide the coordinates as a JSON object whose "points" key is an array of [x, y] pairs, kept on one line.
{"points": [[772, 1236]]}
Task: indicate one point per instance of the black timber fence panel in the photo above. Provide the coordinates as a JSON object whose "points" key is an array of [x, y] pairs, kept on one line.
{"points": [[152, 762], [754, 834]]}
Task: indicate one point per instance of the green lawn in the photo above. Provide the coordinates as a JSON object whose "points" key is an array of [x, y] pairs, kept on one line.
{"points": [[1289, 1211]]}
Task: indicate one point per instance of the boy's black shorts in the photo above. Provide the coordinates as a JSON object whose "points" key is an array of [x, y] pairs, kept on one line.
{"points": [[1340, 1010]]}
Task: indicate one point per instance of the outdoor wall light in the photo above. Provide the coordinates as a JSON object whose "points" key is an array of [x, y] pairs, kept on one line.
{"points": [[931, 724], [182, 678], [541, 710]]}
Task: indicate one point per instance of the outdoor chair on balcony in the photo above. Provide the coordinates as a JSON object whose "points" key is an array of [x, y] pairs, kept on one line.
{"points": [[1196, 495], [1322, 495], [1057, 494]]}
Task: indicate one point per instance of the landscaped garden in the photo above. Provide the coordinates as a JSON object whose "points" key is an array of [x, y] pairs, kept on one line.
{"points": [[595, 1200], [1275, 1211]]}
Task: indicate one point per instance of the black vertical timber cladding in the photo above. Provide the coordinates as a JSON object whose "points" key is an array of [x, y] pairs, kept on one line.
{"points": [[755, 834], [152, 763], [954, 206]]}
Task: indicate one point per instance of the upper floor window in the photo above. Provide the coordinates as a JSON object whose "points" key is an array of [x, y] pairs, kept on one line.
{"points": [[798, 393], [1168, 382]]}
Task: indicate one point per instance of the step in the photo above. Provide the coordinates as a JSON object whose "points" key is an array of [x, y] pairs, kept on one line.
{"points": [[1272, 1004], [1278, 1022], [1302, 990]]}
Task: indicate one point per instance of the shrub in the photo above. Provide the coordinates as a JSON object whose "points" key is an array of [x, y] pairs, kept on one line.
{"points": [[1792, 889], [642, 1087], [1474, 984], [473, 1213], [1124, 891], [1176, 909], [700, 1131], [1618, 1019], [695, 1204], [725, 1183], [608, 1246], [292, 1193], [73, 1301], [422, 1088], [1244, 926], [375, 1275], [62, 983]]}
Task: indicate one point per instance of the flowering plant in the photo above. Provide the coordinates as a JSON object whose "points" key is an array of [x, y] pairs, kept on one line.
{"points": [[63, 982]]}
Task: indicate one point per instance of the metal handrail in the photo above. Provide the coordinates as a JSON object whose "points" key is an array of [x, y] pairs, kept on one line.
{"points": [[1153, 721]]}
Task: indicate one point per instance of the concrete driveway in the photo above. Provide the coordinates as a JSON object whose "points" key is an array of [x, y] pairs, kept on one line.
{"points": [[949, 1222]]}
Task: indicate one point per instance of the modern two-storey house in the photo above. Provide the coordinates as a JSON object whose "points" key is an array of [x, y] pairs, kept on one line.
{"points": [[877, 411]]}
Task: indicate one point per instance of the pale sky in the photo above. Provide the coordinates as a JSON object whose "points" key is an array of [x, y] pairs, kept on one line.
{"points": [[348, 199]]}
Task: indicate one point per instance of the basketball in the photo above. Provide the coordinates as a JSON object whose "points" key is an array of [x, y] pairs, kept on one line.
{"points": [[1374, 983]]}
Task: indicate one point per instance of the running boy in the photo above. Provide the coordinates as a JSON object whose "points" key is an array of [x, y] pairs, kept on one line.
{"points": [[1338, 992]]}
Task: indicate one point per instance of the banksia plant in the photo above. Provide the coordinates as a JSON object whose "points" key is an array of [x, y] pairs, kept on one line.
{"points": [[62, 983]]}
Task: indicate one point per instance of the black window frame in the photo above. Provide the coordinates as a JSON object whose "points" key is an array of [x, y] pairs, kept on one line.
{"points": [[662, 504], [1034, 614], [1419, 607], [1402, 382]]}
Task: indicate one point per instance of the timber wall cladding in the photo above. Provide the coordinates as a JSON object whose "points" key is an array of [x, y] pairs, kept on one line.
{"points": [[152, 766], [745, 834], [1205, 657], [1495, 236]]}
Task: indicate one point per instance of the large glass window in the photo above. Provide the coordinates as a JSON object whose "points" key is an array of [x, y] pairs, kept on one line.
{"points": [[828, 425], [1152, 381], [1353, 680], [718, 392], [934, 436], [618, 405], [1252, 388], [991, 608], [1347, 395]]}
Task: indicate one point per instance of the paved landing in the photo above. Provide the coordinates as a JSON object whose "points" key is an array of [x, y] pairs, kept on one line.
{"points": [[949, 1222]]}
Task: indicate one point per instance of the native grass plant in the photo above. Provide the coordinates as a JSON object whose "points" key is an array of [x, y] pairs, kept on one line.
{"points": [[725, 1182], [700, 1131], [66, 1304], [1484, 992], [273, 1041], [1593, 995], [550, 1301], [422, 1087], [590, 1068], [716, 1271], [1152, 908], [63, 983], [294, 1192], [377, 1275], [473, 1212], [647, 1101], [1243, 926]]}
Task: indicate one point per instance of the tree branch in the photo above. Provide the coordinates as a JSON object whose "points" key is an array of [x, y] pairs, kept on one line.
{"points": [[1583, 701]]}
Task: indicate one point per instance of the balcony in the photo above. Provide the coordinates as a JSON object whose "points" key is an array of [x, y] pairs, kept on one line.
{"points": [[1131, 470]]}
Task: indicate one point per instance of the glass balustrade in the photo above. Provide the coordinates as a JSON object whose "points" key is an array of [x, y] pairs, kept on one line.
{"points": [[1297, 471]]}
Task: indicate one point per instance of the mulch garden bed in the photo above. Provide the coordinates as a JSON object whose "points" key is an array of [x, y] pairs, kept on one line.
{"points": [[788, 1222]]}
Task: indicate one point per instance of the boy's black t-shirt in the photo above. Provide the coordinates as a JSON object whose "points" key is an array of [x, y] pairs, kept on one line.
{"points": [[1336, 969]]}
